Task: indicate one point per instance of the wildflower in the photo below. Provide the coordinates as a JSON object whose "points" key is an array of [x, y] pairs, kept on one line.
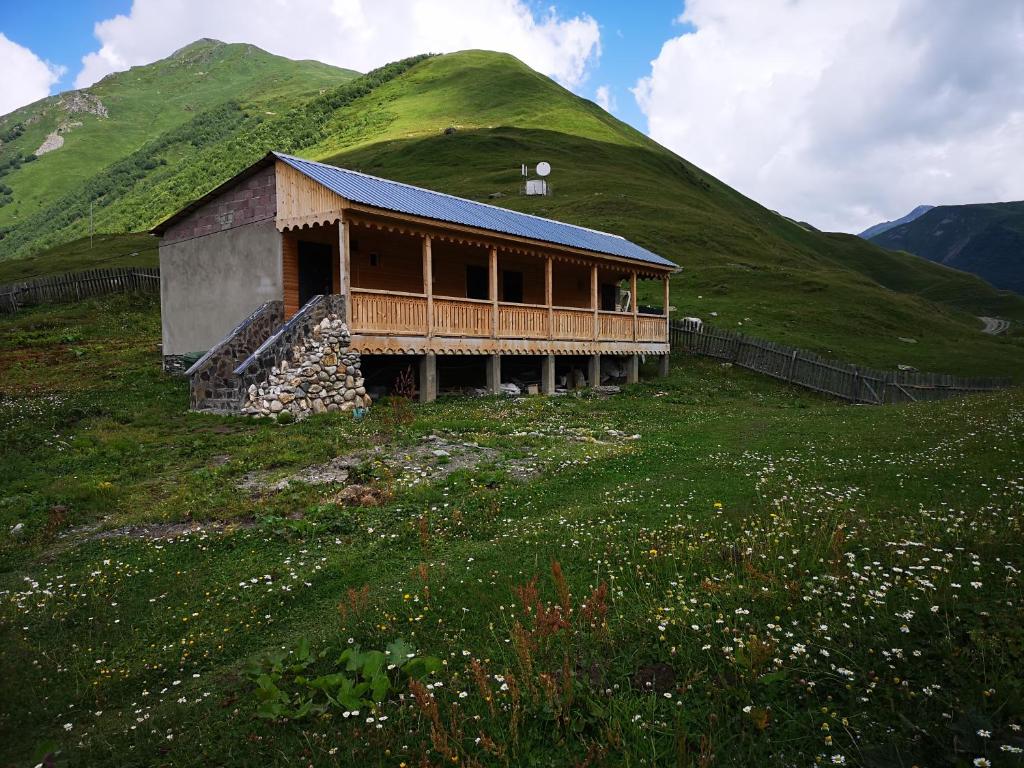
{"points": [[838, 760], [981, 762], [984, 734]]}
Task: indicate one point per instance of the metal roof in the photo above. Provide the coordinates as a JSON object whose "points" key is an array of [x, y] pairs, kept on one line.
{"points": [[416, 201]]}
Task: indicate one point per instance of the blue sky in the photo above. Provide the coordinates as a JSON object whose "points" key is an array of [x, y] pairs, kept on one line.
{"points": [[61, 32]]}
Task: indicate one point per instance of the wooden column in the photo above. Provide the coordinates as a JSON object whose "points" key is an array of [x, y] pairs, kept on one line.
{"points": [[345, 264], [632, 302], [428, 283], [548, 297], [492, 288], [593, 300], [666, 307]]}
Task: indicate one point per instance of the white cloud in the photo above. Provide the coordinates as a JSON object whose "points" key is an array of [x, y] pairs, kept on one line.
{"points": [[605, 98], [26, 77], [846, 113], [360, 34]]}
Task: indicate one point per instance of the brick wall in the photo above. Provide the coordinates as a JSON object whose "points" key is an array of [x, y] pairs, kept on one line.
{"points": [[253, 199]]}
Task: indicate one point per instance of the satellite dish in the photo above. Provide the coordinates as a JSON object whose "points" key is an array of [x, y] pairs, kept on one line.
{"points": [[543, 169]]}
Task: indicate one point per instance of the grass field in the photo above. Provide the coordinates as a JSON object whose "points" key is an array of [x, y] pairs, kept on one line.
{"points": [[105, 251], [708, 569]]}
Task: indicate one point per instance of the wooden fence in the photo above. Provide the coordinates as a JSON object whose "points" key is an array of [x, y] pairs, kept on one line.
{"points": [[78, 285], [811, 371]]}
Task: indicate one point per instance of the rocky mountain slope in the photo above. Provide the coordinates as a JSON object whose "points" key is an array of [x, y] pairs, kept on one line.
{"points": [[885, 226], [50, 148]]}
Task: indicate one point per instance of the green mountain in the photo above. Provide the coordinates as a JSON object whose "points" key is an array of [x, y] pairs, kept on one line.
{"points": [[52, 147], [464, 123], [986, 240]]}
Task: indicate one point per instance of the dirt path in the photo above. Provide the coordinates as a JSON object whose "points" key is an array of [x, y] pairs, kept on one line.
{"points": [[994, 325]]}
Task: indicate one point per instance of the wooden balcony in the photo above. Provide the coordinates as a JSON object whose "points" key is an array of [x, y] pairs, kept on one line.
{"points": [[393, 321]]}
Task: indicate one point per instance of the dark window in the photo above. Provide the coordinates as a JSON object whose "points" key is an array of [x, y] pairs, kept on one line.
{"points": [[512, 286], [374, 259], [315, 270], [608, 295], [477, 282]]}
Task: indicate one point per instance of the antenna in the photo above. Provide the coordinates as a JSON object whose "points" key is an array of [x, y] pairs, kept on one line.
{"points": [[543, 168]]}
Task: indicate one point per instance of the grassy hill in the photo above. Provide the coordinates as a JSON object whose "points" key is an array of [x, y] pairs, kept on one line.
{"points": [[114, 118], [744, 266], [986, 240]]}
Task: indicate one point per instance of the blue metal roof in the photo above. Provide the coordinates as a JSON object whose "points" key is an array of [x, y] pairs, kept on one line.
{"points": [[416, 201]]}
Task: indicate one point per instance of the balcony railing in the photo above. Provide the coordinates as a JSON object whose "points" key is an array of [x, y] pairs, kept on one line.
{"points": [[411, 314]]}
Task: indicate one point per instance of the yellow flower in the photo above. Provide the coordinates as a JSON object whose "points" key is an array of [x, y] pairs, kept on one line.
{"points": [[718, 505]]}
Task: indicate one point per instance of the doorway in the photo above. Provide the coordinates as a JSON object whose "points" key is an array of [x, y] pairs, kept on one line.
{"points": [[316, 270]]}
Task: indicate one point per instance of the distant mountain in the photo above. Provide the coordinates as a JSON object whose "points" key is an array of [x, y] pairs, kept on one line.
{"points": [[885, 226], [986, 240]]}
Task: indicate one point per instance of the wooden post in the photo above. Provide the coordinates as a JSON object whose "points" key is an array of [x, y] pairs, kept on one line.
{"points": [[663, 365], [548, 297], [492, 288], [666, 305], [632, 302], [428, 283], [594, 303], [345, 265]]}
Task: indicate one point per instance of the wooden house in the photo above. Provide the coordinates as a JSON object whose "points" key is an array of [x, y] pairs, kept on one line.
{"points": [[419, 273]]}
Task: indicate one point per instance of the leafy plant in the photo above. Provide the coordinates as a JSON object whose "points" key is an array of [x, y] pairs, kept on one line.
{"points": [[292, 684]]}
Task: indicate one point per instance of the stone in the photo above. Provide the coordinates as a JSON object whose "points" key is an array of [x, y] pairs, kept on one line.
{"points": [[329, 360], [276, 406], [318, 406], [333, 408], [17, 530], [285, 398], [360, 390], [350, 382], [350, 394]]}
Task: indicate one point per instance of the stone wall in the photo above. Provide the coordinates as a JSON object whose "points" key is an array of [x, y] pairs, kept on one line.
{"points": [[212, 378], [319, 375]]}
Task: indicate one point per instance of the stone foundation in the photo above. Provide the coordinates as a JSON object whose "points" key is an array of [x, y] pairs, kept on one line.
{"points": [[176, 365], [322, 375]]}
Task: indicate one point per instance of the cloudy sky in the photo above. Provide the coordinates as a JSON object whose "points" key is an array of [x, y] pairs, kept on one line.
{"points": [[839, 113]]}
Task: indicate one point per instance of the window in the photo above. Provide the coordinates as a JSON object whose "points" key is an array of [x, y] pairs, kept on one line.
{"points": [[477, 282], [374, 259], [512, 286]]}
